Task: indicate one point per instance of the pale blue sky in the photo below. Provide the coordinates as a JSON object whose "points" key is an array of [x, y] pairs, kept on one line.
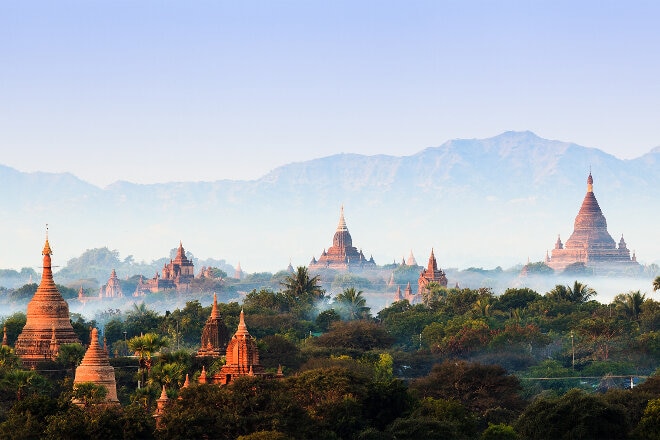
{"points": [[152, 91]]}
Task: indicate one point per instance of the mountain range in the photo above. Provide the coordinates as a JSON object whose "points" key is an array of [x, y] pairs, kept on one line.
{"points": [[478, 202]]}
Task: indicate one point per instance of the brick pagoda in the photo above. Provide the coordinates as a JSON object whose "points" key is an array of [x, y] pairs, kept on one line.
{"points": [[48, 322]]}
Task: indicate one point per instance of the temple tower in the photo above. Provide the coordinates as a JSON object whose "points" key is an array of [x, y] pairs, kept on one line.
{"points": [[431, 274], [95, 367], [48, 322], [590, 243], [342, 255], [214, 335], [242, 356], [113, 288]]}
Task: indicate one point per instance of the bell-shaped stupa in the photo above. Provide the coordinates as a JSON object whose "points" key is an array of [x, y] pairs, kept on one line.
{"points": [[48, 323], [95, 367], [590, 244]]}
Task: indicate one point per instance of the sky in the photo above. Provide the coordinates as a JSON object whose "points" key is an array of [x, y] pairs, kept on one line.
{"points": [[155, 91]]}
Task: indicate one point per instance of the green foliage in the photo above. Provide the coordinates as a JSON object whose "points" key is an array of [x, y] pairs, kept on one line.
{"points": [[359, 335], [352, 305], [23, 293], [538, 268], [576, 414], [500, 431], [89, 393], [348, 280], [513, 298], [578, 293], [649, 426], [326, 318], [478, 387], [14, 325], [70, 355]]}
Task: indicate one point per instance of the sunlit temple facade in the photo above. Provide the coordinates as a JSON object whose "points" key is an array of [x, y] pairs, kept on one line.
{"points": [[590, 243], [48, 322], [176, 275], [342, 255]]}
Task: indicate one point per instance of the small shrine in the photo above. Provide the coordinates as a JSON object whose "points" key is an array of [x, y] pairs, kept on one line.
{"points": [[214, 334], [95, 367]]}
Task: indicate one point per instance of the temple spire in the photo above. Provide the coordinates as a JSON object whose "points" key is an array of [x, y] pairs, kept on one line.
{"points": [[342, 222], [214, 310], [242, 328], [590, 183]]}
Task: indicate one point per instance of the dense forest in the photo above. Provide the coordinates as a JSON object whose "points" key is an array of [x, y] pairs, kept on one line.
{"points": [[463, 364]]}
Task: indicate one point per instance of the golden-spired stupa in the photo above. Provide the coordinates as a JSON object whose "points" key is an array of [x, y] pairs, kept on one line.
{"points": [[48, 323], [95, 367], [590, 242]]}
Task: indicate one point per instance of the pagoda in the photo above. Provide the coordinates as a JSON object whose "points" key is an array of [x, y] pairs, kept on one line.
{"points": [[242, 357], [113, 288], [342, 255], [95, 367], [431, 275], [590, 243], [214, 335], [176, 275], [48, 323]]}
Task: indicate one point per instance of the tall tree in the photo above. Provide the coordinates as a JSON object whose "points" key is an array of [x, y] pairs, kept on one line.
{"points": [[352, 304], [144, 346], [656, 283], [302, 290], [630, 303]]}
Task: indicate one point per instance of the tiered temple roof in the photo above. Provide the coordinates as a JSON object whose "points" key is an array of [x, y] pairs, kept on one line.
{"points": [[214, 335], [95, 367], [342, 255], [242, 357], [431, 275], [177, 274], [590, 242], [48, 322], [113, 288]]}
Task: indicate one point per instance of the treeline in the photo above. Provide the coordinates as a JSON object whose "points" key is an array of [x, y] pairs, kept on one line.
{"points": [[463, 364]]}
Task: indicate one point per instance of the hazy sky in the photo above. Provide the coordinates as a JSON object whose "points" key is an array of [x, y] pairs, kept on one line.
{"points": [[152, 91]]}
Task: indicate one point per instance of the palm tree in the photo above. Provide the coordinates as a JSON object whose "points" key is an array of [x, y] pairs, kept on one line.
{"points": [[299, 287], [559, 292], [580, 293], [169, 374], [656, 283], [631, 303], [144, 346], [353, 303]]}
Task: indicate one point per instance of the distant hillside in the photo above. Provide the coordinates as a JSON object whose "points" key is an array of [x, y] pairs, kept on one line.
{"points": [[481, 203]]}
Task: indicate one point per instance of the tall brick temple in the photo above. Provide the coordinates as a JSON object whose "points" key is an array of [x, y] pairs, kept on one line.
{"points": [[48, 322], [590, 242], [342, 255]]}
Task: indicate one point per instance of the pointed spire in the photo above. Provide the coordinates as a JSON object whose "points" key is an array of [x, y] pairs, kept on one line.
{"points": [[47, 250], [202, 376], [342, 222], [186, 383], [242, 328], [214, 309], [163, 394], [279, 371], [590, 183], [433, 264]]}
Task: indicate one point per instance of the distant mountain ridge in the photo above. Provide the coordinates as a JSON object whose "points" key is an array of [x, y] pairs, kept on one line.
{"points": [[487, 202]]}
